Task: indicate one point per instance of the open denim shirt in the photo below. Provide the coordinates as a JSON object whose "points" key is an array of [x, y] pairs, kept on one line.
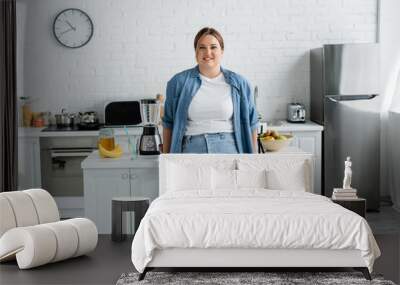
{"points": [[180, 91]]}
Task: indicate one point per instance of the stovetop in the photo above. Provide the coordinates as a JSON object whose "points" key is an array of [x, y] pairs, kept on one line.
{"points": [[54, 128]]}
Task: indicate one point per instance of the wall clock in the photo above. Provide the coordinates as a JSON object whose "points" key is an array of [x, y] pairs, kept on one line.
{"points": [[73, 28]]}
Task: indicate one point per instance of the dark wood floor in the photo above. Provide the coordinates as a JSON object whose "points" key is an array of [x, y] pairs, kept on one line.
{"points": [[110, 259], [385, 225]]}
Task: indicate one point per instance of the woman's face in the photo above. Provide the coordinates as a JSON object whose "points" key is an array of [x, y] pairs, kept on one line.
{"points": [[208, 52]]}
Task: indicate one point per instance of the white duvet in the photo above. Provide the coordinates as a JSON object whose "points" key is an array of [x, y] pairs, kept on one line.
{"points": [[253, 218]]}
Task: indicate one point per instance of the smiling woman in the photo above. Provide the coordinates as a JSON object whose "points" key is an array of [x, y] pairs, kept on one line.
{"points": [[209, 109], [209, 47]]}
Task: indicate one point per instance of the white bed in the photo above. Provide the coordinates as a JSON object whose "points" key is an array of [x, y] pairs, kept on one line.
{"points": [[213, 212]]}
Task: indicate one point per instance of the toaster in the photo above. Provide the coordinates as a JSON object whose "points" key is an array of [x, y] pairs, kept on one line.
{"points": [[296, 113]]}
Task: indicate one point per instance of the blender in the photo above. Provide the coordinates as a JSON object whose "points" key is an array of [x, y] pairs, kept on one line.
{"points": [[150, 140]]}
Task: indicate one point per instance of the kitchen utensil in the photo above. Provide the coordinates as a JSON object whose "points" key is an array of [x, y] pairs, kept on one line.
{"points": [[66, 121], [296, 113], [63, 120], [150, 140], [46, 118], [88, 117], [59, 120], [71, 119], [88, 121]]}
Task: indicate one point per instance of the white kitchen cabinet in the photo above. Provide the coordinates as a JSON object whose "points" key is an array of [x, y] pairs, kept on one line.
{"points": [[310, 141], [144, 182], [102, 184], [28, 163]]}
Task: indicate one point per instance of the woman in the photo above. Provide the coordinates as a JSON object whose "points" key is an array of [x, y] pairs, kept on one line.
{"points": [[209, 109]]}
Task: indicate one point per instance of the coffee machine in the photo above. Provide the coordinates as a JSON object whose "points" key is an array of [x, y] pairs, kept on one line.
{"points": [[150, 140]]}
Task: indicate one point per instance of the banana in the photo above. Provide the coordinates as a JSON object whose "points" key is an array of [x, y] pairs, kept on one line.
{"points": [[115, 153]]}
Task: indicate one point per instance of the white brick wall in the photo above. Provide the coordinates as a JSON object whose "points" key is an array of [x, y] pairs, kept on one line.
{"points": [[139, 44]]}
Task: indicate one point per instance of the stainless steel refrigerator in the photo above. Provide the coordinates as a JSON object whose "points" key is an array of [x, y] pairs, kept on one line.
{"points": [[344, 89]]}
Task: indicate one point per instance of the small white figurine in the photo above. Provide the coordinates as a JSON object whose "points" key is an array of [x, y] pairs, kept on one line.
{"points": [[347, 174]]}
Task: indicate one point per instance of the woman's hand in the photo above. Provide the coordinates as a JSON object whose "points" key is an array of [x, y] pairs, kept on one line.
{"points": [[167, 134], [255, 142]]}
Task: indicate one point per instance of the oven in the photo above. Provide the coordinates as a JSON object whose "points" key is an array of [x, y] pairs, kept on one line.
{"points": [[62, 175]]}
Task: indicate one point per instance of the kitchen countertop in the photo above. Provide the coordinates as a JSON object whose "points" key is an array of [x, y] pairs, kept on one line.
{"points": [[278, 125], [37, 132], [285, 126], [29, 132], [93, 161]]}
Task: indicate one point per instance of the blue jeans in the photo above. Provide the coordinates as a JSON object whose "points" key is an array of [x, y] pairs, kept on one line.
{"points": [[210, 143]]}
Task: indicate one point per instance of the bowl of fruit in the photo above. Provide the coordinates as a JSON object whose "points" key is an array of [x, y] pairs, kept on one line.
{"points": [[273, 141]]}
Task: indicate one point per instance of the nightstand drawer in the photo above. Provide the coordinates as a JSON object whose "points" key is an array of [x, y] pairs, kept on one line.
{"points": [[357, 205]]}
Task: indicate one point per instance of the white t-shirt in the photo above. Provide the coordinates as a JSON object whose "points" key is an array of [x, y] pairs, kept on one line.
{"points": [[211, 109]]}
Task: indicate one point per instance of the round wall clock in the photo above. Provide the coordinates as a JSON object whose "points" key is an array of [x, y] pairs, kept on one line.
{"points": [[73, 28]]}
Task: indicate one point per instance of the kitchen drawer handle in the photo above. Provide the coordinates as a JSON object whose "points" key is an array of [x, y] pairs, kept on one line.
{"points": [[125, 176], [133, 176], [70, 152]]}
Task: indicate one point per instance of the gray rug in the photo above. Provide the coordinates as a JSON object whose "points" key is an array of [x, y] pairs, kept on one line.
{"points": [[228, 278]]}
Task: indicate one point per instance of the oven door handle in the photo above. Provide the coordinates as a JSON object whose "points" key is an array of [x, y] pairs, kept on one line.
{"points": [[70, 153]]}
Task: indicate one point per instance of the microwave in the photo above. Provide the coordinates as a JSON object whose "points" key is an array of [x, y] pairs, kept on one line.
{"points": [[122, 113]]}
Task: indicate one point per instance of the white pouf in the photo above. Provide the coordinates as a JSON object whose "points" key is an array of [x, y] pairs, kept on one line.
{"points": [[31, 231], [37, 245]]}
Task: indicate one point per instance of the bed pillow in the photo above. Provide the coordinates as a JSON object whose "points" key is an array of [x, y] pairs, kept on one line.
{"points": [[224, 179], [292, 179], [182, 177], [251, 178]]}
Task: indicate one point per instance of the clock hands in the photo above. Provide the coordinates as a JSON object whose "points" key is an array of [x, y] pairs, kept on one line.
{"points": [[66, 31], [71, 28], [69, 24]]}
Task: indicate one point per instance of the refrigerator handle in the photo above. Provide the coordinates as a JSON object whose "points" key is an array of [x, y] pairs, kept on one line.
{"points": [[338, 98], [333, 99]]}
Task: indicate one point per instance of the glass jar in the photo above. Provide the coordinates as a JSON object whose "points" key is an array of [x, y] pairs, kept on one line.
{"points": [[27, 114], [107, 138]]}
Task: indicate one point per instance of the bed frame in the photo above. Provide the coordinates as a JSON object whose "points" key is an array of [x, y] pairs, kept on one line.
{"points": [[242, 259], [246, 258]]}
